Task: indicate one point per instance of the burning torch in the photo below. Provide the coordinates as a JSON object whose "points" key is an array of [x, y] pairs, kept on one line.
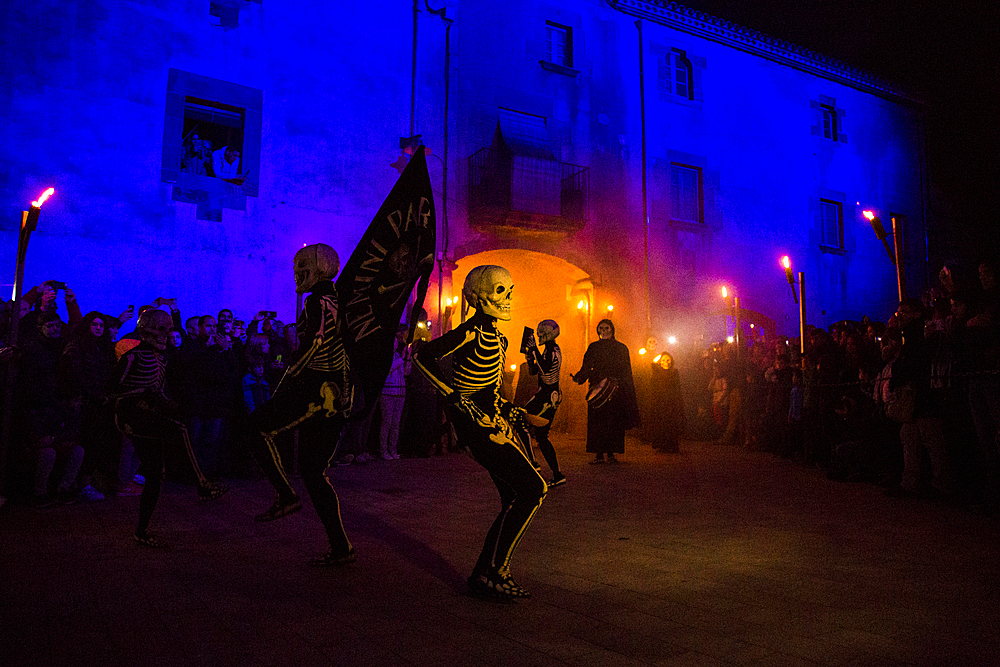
{"points": [[734, 309], [29, 221], [880, 233], [800, 298], [787, 264], [895, 257]]}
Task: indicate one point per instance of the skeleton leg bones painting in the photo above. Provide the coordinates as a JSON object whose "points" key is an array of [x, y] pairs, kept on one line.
{"points": [[346, 335], [482, 419]]}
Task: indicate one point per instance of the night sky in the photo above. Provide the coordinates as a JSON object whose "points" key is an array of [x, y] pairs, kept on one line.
{"points": [[946, 54]]}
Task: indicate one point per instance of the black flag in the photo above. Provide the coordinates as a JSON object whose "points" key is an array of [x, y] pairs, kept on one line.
{"points": [[373, 287]]}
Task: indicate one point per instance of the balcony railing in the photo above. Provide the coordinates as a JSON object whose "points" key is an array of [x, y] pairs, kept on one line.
{"points": [[528, 192]]}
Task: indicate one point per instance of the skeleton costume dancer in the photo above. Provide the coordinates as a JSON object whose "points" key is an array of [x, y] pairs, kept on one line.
{"points": [[541, 409], [145, 414], [314, 397], [482, 420]]}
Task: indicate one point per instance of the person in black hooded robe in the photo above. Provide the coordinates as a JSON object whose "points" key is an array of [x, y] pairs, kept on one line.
{"points": [[611, 404], [668, 415]]}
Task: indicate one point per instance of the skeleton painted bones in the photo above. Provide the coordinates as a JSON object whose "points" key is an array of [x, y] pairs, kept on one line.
{"points": [[482, 420], [541, 409], [145, 414], [315, 398]]}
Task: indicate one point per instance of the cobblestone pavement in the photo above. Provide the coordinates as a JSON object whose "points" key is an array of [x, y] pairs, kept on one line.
{"points": [[713, 556]]}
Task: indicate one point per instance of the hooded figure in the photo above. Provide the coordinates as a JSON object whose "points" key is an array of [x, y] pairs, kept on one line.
{"points": [[611, 404]]}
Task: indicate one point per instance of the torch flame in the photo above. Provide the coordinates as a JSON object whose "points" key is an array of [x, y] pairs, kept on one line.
{"points": [[786, 262], [657, 358], [868, 214], [642, 350], [725, 292], [41, 200]]}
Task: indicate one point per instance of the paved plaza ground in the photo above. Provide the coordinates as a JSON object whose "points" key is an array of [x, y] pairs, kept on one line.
{"points": [[714, 556]]}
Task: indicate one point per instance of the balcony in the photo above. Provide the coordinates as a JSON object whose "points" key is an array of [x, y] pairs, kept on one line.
{"points": [[525, 192]]}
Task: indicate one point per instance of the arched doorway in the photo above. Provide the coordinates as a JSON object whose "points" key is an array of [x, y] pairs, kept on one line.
{"points": [[545, 287]]}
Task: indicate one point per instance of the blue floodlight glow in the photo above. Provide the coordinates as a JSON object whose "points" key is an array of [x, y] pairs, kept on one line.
{"points": [[746, 138]]}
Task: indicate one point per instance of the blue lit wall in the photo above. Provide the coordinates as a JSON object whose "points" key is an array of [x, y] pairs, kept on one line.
{"points": [[85, 91], [86, 88]]}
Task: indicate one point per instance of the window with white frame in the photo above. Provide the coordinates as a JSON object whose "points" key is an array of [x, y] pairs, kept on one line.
{"points": [[832, 221], [682, 75], [675, 74], [686, 204], [559, 44], [829, 121]]}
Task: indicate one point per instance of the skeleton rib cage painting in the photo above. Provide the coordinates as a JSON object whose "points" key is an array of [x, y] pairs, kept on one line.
{"points": [[483, 422], [145, 414]]}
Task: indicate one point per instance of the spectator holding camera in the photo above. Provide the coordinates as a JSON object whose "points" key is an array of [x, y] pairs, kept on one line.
{"points": [[277, 349], [224, 328], [43, 300], [196, 155], [240, 331]]}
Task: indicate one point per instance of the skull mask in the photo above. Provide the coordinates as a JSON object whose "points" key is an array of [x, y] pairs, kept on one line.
{"points": [[488, 289], [154, 328], [547, 330], [314, 263]]}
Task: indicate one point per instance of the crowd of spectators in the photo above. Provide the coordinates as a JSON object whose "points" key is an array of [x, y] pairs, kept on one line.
{"points": [[912, 404], [64, 444]]}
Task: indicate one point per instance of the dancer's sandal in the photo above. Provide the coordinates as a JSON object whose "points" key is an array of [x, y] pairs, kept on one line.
{"points": [[330, 560], [497, 586], [149, 540], [212, 491]]}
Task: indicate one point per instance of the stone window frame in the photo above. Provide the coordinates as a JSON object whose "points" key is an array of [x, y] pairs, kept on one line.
{"points": [[829, 114], [829, 199], [180, 86], [675, 167], [677, 63], [660, 213], [826, 107], [548, 62], [553, 55], [228, 12], [667, 56]]}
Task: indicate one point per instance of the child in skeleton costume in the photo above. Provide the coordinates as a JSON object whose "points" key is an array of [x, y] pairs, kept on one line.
{"points": [[482, 420], [145, 414], [541, 409], [314, 397]]}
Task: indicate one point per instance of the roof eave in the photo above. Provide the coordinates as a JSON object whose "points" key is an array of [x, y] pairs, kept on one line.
{"points": [[703, 25]]}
